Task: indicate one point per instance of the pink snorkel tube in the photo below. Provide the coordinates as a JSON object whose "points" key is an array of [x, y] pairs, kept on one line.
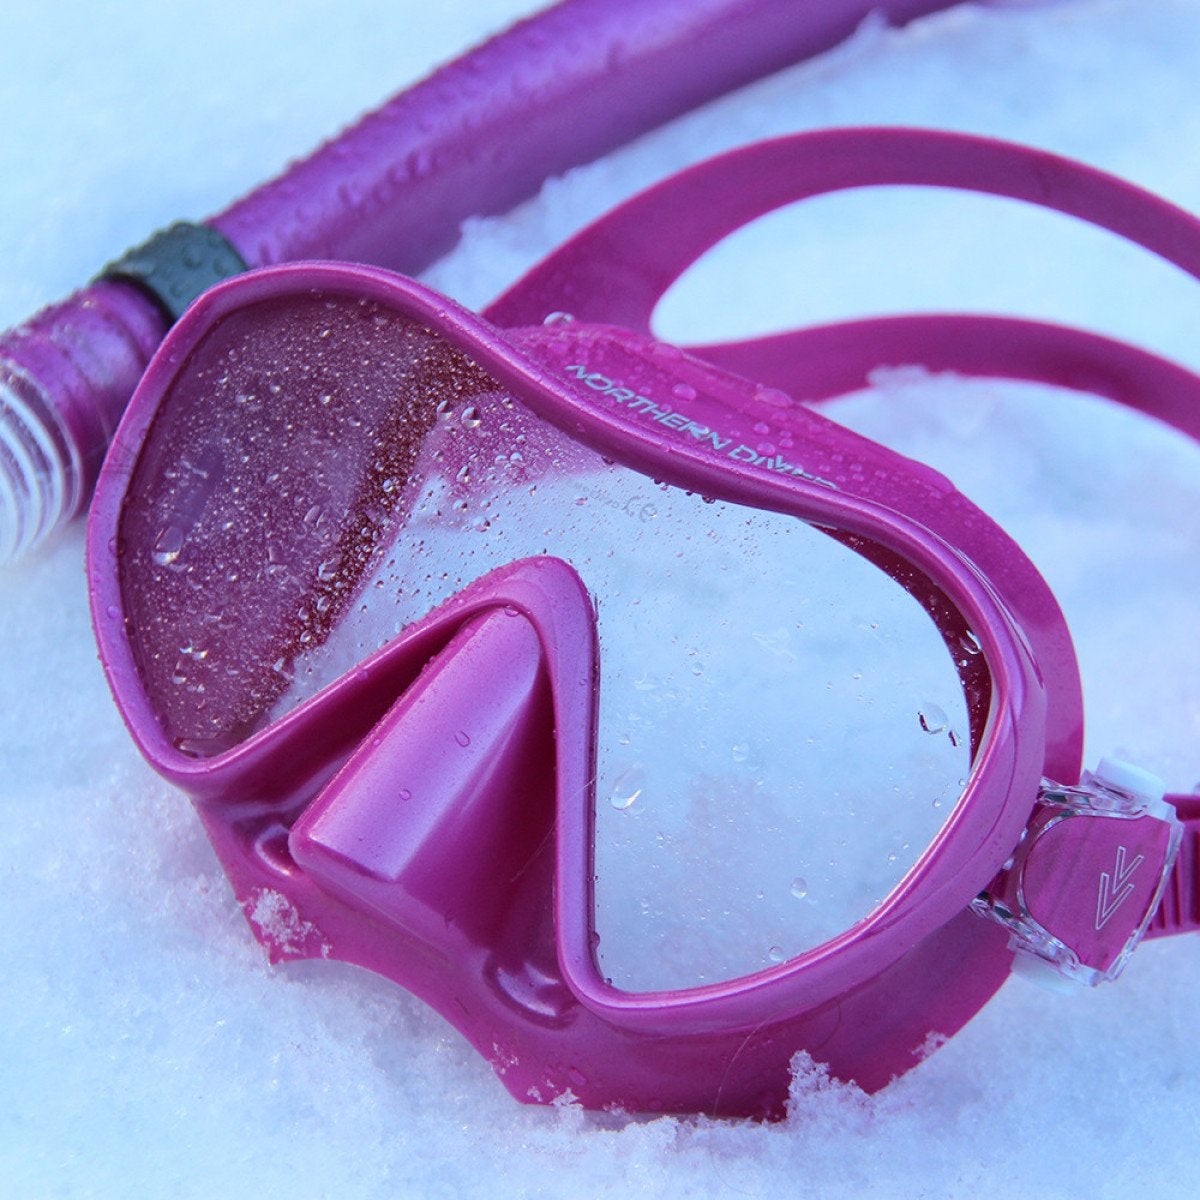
{"points": [[479, 135], [429, 814]]}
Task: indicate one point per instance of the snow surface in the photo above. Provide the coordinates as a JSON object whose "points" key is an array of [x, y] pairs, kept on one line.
{"points": [[145, 1046]]}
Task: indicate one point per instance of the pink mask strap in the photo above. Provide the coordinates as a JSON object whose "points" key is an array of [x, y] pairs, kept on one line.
{"points": [[827, 361], [1179, 909], [617, 269]]}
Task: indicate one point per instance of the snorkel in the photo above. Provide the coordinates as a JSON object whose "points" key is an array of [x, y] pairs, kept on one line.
{"points": [[476, 137]]}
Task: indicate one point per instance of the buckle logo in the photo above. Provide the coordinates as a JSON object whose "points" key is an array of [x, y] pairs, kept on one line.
{"points": [[1116, 888]]}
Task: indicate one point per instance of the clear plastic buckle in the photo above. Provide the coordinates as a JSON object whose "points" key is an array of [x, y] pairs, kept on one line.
{"points": [[1087, 875]]}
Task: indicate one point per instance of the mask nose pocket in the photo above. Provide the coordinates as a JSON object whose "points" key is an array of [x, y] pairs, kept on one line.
{"points": [[434, 815]]}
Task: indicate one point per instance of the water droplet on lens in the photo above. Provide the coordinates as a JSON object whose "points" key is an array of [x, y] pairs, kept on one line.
{"points": [[167, 545], [932, 718], [627, 787], [773, 396]]}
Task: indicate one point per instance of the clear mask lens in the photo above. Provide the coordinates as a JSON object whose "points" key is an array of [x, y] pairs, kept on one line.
{"points": [[781, 728]]}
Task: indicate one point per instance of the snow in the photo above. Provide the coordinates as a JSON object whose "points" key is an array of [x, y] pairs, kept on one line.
{"points": [[146, 1048]]}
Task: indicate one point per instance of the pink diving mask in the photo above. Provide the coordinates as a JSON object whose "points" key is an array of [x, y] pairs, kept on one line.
{"points": [[362, 562]]}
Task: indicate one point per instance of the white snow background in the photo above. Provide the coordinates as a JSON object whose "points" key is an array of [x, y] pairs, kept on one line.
{"points": [[146, 1048]]}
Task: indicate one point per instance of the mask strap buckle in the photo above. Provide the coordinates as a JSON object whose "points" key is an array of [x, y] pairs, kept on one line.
{"points": [[1087, 876]]}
